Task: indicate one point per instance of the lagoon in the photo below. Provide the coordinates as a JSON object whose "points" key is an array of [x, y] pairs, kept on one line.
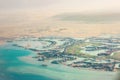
{"points": [[12, 68]]}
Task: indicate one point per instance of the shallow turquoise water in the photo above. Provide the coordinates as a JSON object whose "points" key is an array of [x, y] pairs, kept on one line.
{"points": [[11, 68], [8, 58]]}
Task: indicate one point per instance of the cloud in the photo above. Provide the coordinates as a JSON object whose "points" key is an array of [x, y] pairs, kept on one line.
{"points": [[62, 5], [23, 4]]}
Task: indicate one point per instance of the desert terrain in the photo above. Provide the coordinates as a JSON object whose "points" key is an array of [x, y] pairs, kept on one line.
{"points": [[35, 23]]}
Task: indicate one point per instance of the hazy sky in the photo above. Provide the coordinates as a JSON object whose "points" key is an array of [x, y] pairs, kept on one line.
{"points": [[88, 16], [62, 5], [98, 11]]}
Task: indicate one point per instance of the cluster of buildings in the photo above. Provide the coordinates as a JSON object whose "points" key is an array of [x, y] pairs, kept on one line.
{"points": [[80, 62], [105, 65], [53, 48], [103, 47]]}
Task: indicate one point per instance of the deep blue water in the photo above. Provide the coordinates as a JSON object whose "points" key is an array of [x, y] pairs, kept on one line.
{"points": [[8, 58]]}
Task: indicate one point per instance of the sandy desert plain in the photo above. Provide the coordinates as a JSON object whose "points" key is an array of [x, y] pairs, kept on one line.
{"points": [[35, 23]]}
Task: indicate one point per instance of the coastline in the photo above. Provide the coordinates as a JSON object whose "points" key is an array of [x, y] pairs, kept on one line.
{"points": [[62, 70], [34, 67], [38, 59], [45, 67], [29, 60]]}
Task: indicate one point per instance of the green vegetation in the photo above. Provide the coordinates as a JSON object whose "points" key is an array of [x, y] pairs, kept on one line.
{"points": [[73, 49], [116, 56], [77, 47]]}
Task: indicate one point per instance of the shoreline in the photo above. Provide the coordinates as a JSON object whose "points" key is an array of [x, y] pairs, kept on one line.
{"points": [[41, 59], [51, 71], [29, 60], [63, 69]]}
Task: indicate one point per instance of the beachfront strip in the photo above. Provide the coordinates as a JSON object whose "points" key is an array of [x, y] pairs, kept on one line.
{"points": [[97, 53]]}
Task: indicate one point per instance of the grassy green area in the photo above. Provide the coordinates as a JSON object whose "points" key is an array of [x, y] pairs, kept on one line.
{"points": [[74, 49], [77, 47], [116, 55]]}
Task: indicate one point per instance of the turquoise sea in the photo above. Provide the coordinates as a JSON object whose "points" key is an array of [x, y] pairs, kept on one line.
{"points": [[8, 58], [11, 68]]}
